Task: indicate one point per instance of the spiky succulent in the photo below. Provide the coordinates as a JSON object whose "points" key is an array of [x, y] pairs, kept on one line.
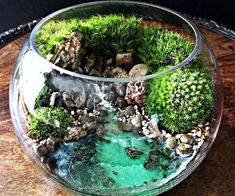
{"points": [[161, 47], [183, 98], [47, 122], [106, 34]]}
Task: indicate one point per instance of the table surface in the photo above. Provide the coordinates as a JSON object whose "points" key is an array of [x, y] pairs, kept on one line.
{"points": [[214, 177]]}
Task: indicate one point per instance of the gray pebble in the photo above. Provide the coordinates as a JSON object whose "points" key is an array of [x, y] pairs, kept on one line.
{"points": [[136, 121], [125, 59], [41, 150], [129, 111], [80, 99], [187, 139], [170, 142], [50, 145], [138, 70], [125, 126], [184, 149]]}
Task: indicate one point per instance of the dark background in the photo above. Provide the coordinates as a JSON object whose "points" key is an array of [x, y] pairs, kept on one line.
{"points": [[16, 12]]}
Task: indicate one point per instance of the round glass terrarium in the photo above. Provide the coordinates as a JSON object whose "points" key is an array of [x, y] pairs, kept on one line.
{"points": [[116, 98]]}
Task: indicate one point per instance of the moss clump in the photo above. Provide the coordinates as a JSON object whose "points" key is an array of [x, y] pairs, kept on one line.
{"points": [[161, 47], [183, 98], [42, 92], [47, 122], [106, 34]]}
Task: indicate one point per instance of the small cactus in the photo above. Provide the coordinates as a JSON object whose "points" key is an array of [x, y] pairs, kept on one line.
{"points": [[183, 98]]}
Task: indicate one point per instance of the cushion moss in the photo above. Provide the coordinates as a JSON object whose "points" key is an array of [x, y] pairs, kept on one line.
{"points": [[183, 98], [47, 122]]}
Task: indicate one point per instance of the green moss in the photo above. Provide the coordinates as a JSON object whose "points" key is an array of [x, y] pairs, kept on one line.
{"points": [[107, 34], [183, 98], [52, 33], [47, 122], [42, 92], [161, 47]]}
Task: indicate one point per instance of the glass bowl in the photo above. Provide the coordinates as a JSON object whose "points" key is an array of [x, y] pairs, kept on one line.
{"points": [[125, 130]]}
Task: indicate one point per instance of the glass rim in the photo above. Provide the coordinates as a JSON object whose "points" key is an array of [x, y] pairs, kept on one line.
{"points": [[188, 59]]}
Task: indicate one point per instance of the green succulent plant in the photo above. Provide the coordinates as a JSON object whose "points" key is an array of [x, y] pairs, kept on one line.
{"points": [[106, 34], [182, 99], [161, 47], [47, 122]]}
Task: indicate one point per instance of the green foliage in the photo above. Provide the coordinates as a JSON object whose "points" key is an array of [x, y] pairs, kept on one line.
{"points": [[161, 47], [47, 122], [42, 92], [183, 98], [106, 34]]}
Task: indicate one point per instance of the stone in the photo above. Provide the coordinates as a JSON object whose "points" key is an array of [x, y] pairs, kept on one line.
{"points": [[68, 53], [68, 100], [124, 59], [125, 126], [50, 145], [133, 152], [170, 142], [129, 111], [95, 72], [138, 70], [112, 96], [93, 101], [75, 134], [135, 92], [121, 103], [187, 139], [118, 72], [108, 62], [184, 150], [151, 130], [85, 119], [136, 121], [80, 99], [89, 62], [120, 88], [53, 98], [41, 150]]}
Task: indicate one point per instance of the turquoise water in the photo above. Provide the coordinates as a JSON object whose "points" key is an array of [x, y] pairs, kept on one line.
{"points": [[102, 162]]}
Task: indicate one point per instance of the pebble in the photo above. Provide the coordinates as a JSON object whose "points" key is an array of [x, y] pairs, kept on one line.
{"points": [[199, 133], [86, 119], [54, 97], [50, 145], [170, 142], [121, 103], [68, 100], [136, 121], [80, 99], [95, 72], [187, 139], [93, 101], [125, 126], [112, 96], [41, 150], [184, 150], [138, 70], [129, 111], [124, 59], [120, 89], [108, 62]]}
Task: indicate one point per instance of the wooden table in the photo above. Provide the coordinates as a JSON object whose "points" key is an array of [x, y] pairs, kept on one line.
{"points": [[214, 177]]}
